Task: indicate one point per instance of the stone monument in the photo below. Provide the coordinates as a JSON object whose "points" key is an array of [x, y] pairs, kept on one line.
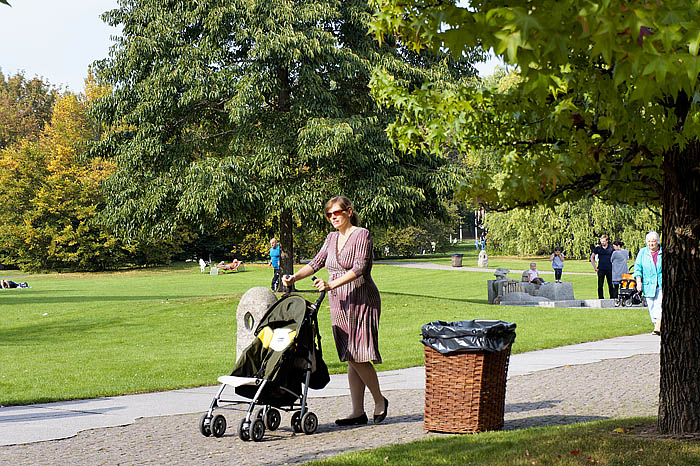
{"points": [[483, 258], [504, 290], [501, 286], [253, 305]]}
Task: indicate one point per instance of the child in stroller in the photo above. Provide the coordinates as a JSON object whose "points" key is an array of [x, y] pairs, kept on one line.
{"points": [[628, 294], [275, 372]]}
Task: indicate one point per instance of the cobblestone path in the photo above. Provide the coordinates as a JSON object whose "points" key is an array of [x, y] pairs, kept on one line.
{"points": [[610, 389]]}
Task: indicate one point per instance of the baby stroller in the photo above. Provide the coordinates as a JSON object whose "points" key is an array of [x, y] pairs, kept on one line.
{"points": [[275, 372], [628, 294]]}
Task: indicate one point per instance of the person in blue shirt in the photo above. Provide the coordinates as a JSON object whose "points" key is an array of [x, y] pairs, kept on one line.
{"points": [[275, 263], [647, 273], [604, 268]]}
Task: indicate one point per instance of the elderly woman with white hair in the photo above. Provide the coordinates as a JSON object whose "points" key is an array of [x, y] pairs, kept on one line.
{"points": [[647, 272]]}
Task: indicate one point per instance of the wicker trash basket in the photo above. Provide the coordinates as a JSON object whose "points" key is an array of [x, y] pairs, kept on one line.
{"points": [[465, 392]]}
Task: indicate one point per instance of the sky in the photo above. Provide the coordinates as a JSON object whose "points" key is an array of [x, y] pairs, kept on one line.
{"points": [[58, 39], [54, 39]]}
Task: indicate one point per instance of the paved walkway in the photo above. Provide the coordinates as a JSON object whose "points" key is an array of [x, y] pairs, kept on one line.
{"points": [[558, 386]]}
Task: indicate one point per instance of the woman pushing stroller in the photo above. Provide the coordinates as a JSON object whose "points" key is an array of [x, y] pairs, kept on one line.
{"points": [[355, 305]]}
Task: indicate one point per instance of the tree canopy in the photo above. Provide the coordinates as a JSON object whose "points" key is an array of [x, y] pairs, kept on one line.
{"points": [[606, 89], [25, 107], [607, 105], [51, 195], [230, 110]]}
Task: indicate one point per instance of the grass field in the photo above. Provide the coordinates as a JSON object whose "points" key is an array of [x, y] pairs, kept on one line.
{"points": [[610, 442], [76, 336]]}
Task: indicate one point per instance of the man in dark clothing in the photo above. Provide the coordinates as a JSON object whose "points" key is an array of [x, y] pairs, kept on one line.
{"points": [[604, 268]]}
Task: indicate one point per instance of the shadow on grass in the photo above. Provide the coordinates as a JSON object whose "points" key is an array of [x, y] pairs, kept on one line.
{"points": [[456, 300], [50, 298], [43, 332]]}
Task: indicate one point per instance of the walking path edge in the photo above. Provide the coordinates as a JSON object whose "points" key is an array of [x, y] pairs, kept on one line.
{"points": [[50, 421]]}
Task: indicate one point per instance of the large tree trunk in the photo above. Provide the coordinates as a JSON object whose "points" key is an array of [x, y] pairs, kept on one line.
{"points": [[286, 225], [679, 399], [286, 242]]}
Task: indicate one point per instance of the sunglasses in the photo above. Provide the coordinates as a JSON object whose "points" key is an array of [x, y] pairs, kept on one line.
{"points": [[335, 213]]}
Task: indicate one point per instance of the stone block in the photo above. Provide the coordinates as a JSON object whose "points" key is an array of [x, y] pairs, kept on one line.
{"points": [[521, 298], [492, 289], [570, 303], [251, 308], [530, 288], [557, 291], [600, 303], [483, 259]]}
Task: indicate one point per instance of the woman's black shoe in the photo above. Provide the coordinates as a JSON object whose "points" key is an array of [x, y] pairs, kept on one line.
{"points": [[380, 417], [353, 421]]}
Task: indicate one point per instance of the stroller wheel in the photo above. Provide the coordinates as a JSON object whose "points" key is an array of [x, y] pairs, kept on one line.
{"points": [[628, 302], [296, 422], [309, 423], [244, 430], [273, 419], [205, 425], [257, 430], [218, 425]]}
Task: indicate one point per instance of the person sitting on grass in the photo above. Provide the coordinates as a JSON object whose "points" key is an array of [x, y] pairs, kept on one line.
{"points": [[10, 284], [533, 275], [231, 266]]}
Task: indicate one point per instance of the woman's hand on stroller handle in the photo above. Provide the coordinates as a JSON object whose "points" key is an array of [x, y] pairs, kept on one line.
{"points": [[287, 280], [321, 296], [321, 284]]}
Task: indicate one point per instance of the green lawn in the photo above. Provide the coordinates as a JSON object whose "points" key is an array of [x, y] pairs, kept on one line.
{"points": [[86, 335], [610, 442]]}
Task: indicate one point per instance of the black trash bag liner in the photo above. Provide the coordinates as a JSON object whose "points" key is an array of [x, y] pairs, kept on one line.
{"points": [[468, 335]]}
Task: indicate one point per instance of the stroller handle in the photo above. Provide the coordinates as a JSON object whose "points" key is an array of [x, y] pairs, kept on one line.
{"points": [[318, 302]]}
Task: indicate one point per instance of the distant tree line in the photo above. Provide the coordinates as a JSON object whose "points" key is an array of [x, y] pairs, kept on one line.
{"points": [[53, 197], [50, 193], [575, 226]]}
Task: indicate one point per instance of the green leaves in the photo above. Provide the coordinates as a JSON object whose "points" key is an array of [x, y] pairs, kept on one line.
{"points": [[234, 111], [607, 87]]}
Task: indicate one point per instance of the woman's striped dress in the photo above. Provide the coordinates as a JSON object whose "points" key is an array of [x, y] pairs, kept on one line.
{"points": [[355, 306]]}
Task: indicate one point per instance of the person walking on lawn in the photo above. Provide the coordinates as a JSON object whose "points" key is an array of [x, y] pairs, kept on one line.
{"points": [[275, 263]]}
